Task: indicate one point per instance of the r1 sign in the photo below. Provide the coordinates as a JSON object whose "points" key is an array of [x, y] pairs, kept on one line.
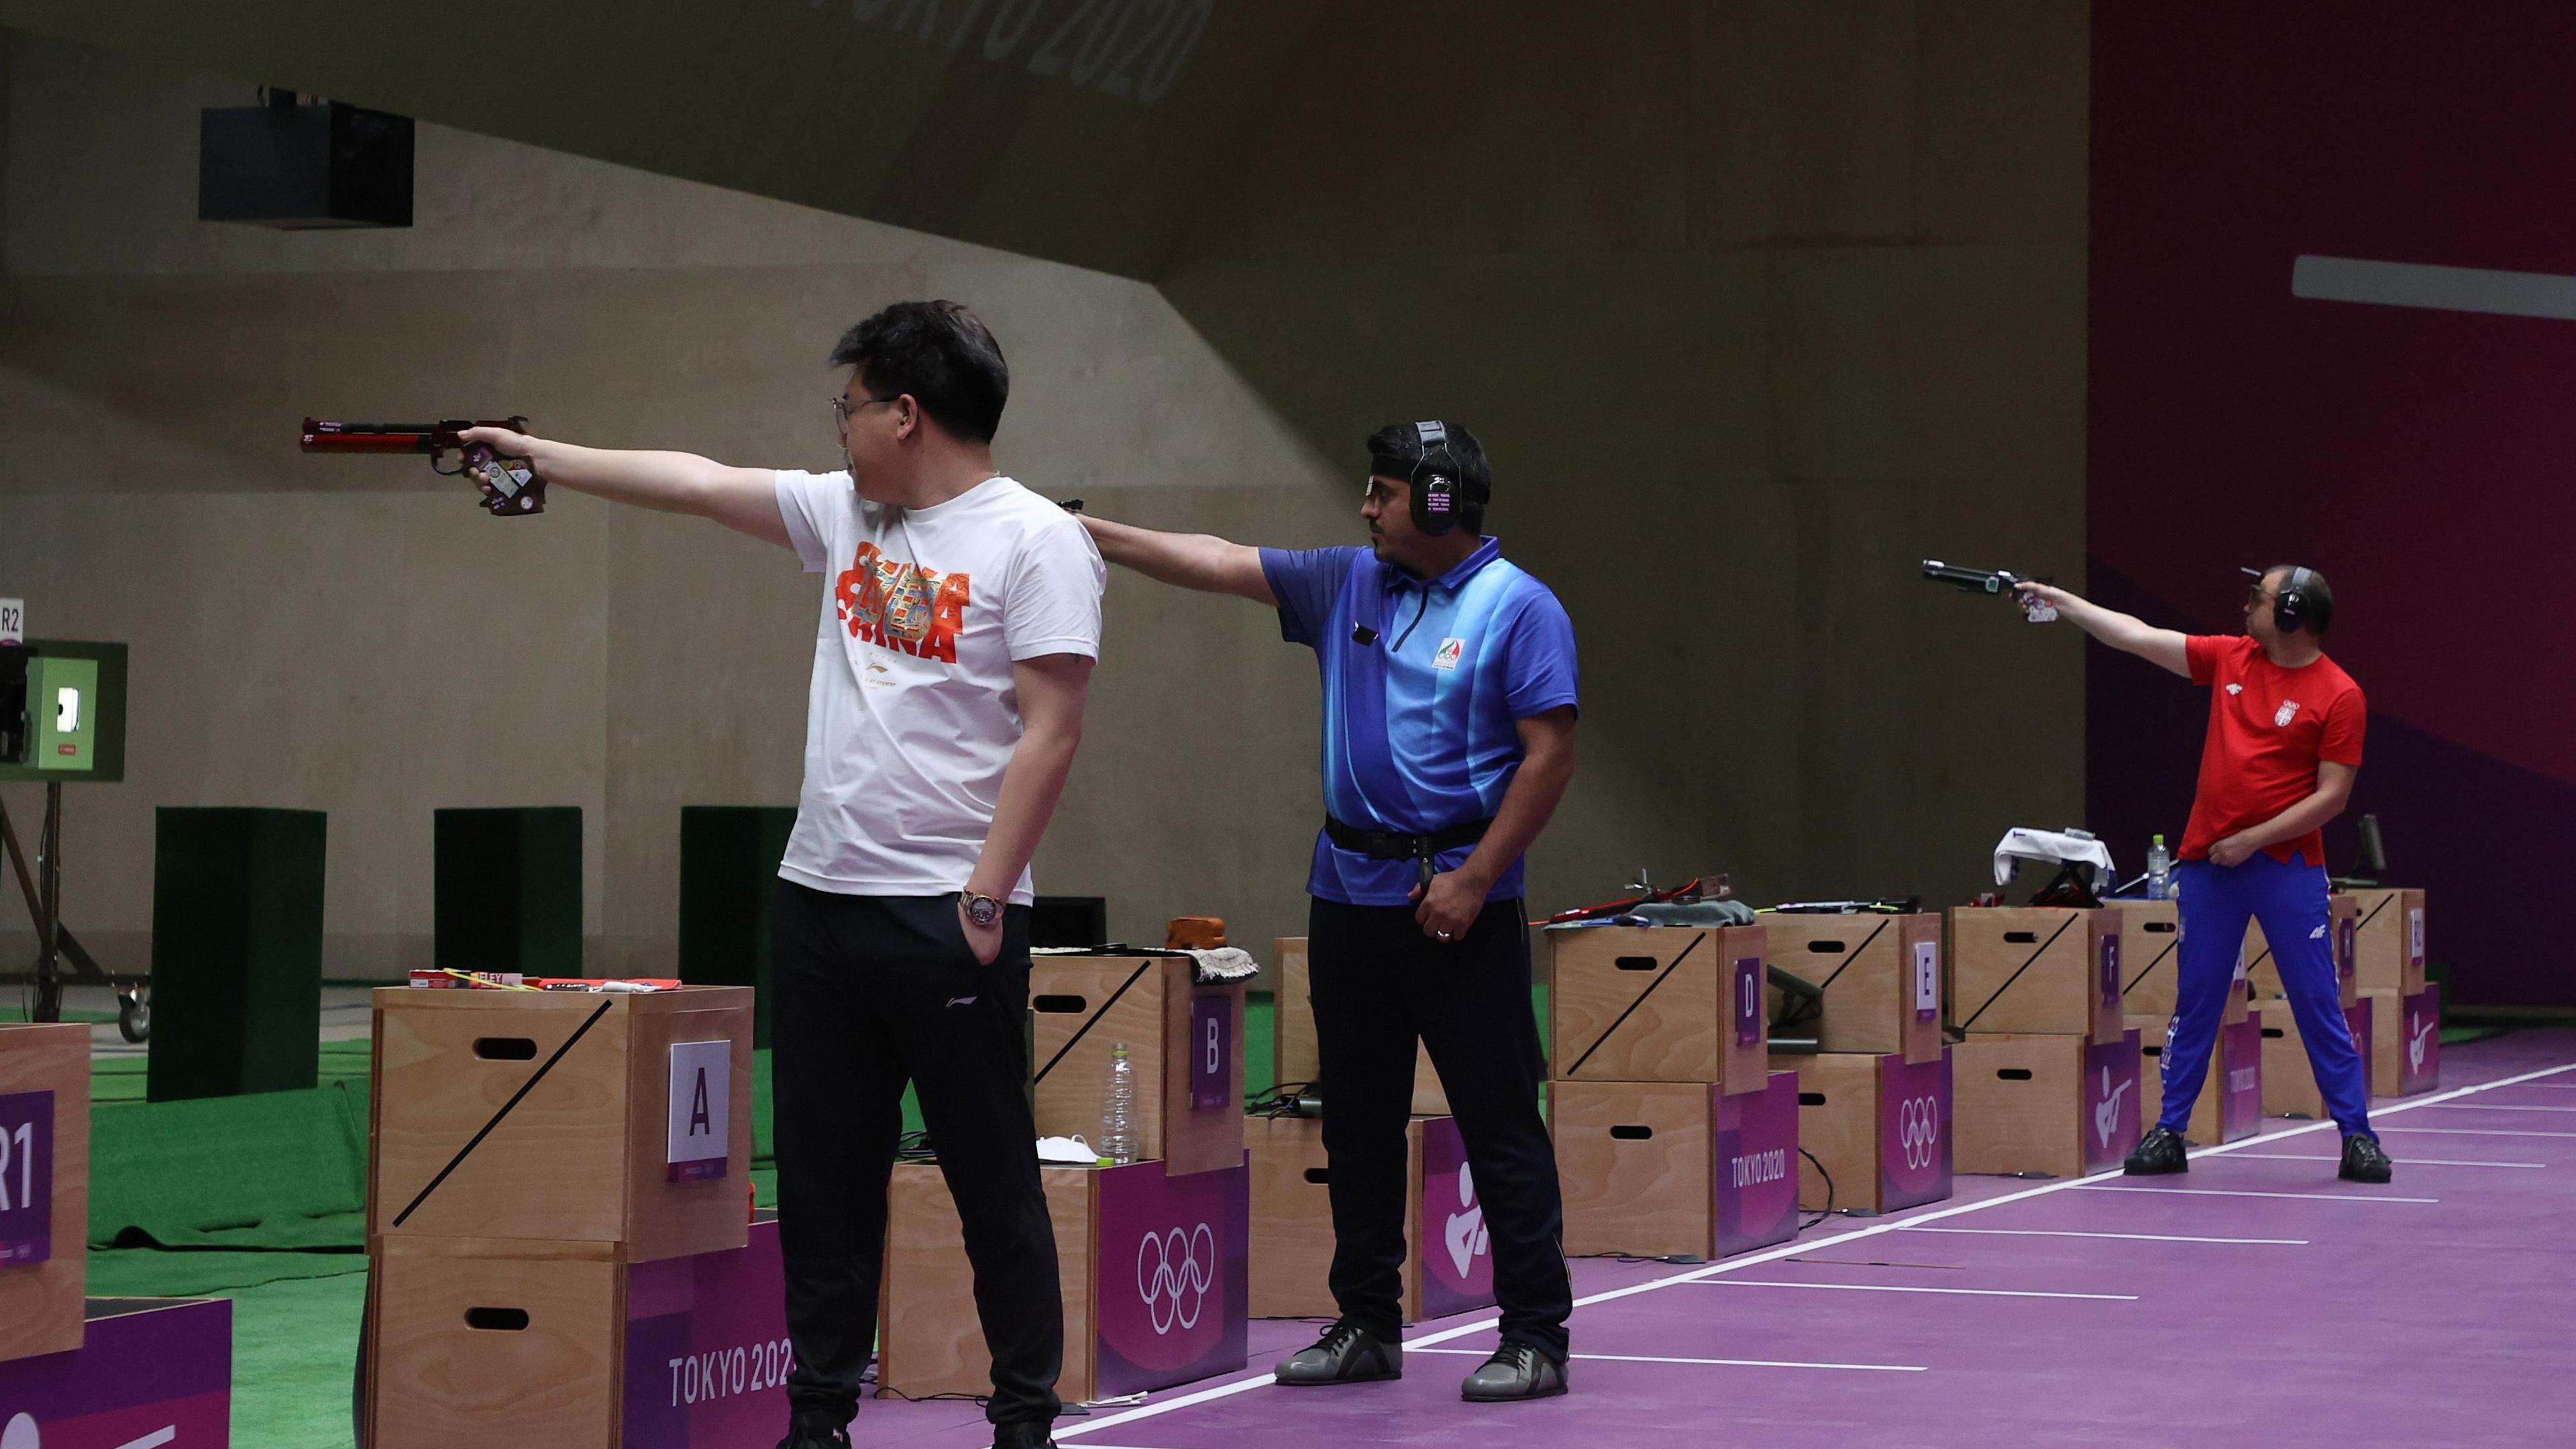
{"points": [[26, 1178]]}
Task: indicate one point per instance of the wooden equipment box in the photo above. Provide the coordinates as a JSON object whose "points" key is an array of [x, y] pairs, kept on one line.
{"points": [[44, 1187], [466, 1348], [1878, 1126], [542, 1124], [1882, 977], [1292, 1033], [1659, 1004], [2056, 1104], [1448, 1259], [2230, 1105], [1153, 1268], [2405, 1041], [1184, 1039], [1659, 1169], [2150, 958], [2036, 970], [2289, 1083], [2343, 919], [2388, 941]]}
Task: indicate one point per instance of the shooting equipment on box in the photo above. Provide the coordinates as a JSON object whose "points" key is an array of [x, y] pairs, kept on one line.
{"points": [[511, 487], [2001, 582]]}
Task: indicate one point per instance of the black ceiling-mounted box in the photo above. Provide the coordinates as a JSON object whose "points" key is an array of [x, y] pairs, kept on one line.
{"points": [[302, 167]]}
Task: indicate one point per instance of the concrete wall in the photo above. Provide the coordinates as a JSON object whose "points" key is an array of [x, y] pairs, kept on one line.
{"points": [[352, 635], [1755, 303]]}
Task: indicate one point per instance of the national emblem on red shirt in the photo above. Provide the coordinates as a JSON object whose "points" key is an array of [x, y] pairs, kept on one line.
{"points": [[2289, 710]]}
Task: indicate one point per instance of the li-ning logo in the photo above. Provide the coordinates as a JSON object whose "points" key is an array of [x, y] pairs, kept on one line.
{"points": [[2106, 1113], [1173, 1273], [1468, 1238], [2416, 1037], [2288, 711], [1918, 1130]]}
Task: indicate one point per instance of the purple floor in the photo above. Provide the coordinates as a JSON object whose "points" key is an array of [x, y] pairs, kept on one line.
{"points": [[2255, 1301]]}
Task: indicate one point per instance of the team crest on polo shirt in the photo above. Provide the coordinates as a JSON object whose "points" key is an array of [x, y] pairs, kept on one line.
{"points": [[2289, 710], [1447, 658]]}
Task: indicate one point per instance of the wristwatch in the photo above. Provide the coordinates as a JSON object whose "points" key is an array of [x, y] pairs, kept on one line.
{"points": [[982, 910]]}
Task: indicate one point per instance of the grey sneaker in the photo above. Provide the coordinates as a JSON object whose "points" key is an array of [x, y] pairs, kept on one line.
{"points": [[1516, 1371], [1346, 1354]]}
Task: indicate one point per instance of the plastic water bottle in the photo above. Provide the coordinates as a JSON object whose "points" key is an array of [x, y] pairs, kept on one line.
{"points": [[2159, 871], [1118, 1113]]}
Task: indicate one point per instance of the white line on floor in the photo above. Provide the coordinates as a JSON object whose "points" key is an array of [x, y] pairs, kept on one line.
{"points": [[1877, 1368], [2472, 1131], [1906, 1288], [2446, 289], [1265, 1378], [2126, 1237], [2499, 1107], [2400, 1161], [2240, 1192]]}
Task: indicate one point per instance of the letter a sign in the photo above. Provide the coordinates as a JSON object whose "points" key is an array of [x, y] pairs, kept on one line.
{"points": [[701, 1109]]}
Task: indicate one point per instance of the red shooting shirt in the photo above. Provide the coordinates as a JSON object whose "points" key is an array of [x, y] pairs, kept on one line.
{"points": [[2268, 728]]}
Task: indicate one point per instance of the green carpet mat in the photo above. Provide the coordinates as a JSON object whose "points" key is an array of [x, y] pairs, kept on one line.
{"points": [[269, 1170]]}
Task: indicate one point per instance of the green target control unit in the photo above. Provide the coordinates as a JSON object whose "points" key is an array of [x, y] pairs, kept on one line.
{"points": [[62, 711]]}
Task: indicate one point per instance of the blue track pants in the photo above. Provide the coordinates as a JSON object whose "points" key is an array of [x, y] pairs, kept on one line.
{"points": [[2290, 901]]}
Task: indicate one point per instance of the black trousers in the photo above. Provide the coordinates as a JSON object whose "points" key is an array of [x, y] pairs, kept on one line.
{"points": [[1379, 984], [872, 992]]}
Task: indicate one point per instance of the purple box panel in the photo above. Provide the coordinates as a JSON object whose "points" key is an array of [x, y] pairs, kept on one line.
{"points": [[1457, 1251], [2110, 1122], [2420, 1041], [26, 1178], [1173, 1275], [1914, 1149], [1757, 1165], [706, 1348], [161, 1375], [2240, 1088], [1211, 1053]]}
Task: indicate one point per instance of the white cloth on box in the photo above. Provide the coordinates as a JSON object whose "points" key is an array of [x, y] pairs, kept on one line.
{"points": [[912, 716], [2055, 847], [1225, 963], [1067, 1149]]}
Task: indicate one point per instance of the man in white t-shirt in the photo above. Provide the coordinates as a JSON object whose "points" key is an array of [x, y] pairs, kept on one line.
{"points": [[951, 658]]}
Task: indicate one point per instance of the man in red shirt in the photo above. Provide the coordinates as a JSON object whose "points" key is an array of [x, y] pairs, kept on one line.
{"points": [[2285, 729]]}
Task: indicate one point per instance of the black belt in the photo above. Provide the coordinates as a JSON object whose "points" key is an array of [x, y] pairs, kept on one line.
{"points": [[1395, 845]]}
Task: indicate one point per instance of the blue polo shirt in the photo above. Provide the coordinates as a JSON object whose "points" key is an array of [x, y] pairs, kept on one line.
{"points": [[1419, 723]]}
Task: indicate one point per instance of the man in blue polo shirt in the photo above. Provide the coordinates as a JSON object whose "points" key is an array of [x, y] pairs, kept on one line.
{"points": [[1449, 704]]}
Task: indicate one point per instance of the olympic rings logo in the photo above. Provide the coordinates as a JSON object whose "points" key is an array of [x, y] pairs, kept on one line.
{"points": [[1173, 1273], [1918, 1130]]}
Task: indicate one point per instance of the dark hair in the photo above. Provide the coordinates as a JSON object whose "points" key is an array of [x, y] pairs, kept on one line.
{"points": [[940, 353], [1403, 443], [2320, 610]]}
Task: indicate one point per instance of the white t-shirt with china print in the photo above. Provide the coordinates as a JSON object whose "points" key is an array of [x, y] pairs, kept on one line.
{"points": [[911, 716]]}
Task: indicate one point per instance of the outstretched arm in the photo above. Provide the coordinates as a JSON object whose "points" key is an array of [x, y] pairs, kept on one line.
{"points": [[1199, 561], [742, 499], [2125, 632]]}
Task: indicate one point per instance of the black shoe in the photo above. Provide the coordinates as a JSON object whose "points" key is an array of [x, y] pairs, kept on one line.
{"points": [[1346, 1354], [2158, 1153], [816, 1431], [1023, 1436], [2363, 1160], [1516, 1371]]}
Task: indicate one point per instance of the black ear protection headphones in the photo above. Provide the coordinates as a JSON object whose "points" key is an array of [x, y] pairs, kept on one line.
{"points": [[1440, 499], [2293, 604]]}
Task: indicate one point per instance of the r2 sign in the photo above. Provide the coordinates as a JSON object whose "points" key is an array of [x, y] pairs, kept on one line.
{"points": [[26, 1177]]}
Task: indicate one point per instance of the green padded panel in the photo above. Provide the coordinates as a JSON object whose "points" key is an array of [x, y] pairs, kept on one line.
{"points": [[506, 888], [236, 951], [729, 858]]}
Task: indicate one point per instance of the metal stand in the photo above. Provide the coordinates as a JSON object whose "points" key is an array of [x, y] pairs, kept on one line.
{"points": [[55, 944]]}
